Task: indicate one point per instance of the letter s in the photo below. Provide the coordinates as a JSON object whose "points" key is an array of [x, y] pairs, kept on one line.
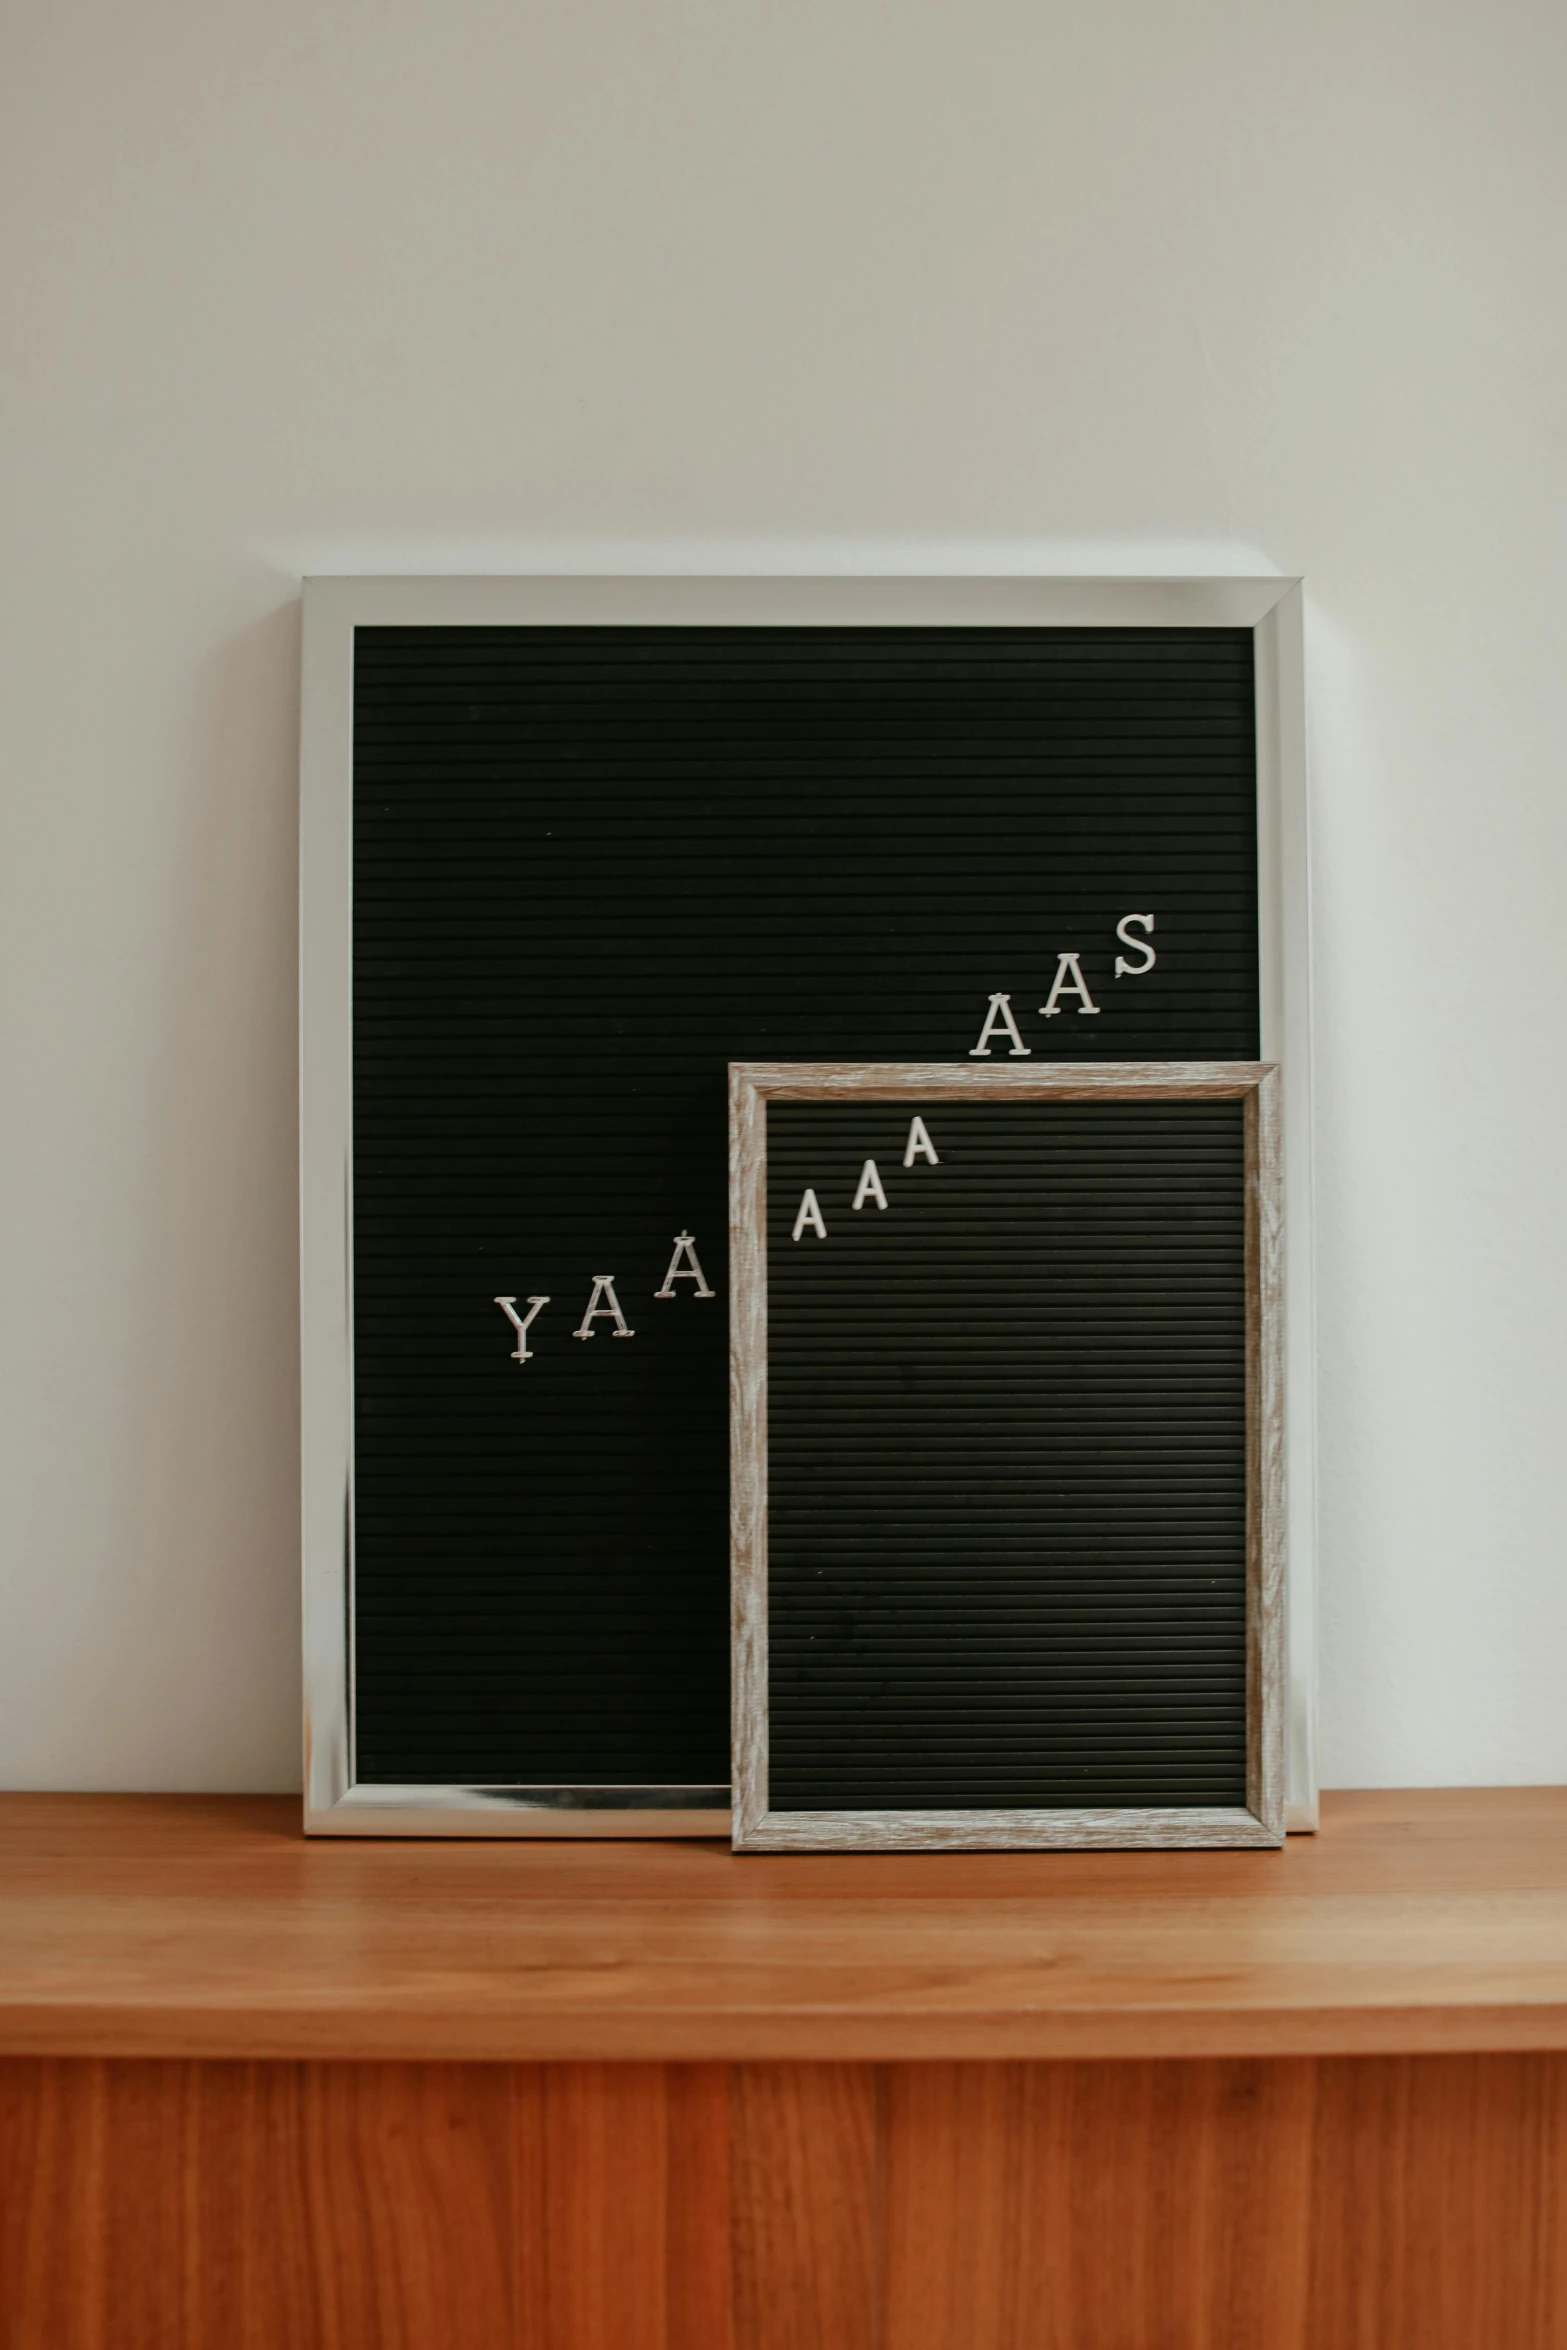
{"points": [[1123, 969]]}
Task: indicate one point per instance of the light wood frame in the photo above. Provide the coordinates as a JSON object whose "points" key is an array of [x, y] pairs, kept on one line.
{"points": [[1260, 1821]]}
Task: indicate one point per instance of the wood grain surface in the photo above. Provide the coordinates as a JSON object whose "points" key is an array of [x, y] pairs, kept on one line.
{"points": [[622, 2206], [1359, 2204], [253, 2205], [805, 2205], [191, 1926], [1372, 2203]]}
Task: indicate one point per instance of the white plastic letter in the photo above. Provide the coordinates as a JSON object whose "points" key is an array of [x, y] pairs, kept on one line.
{"points": [[1144, 946], [603, 1287], [685, 1246], [870, 1186], [920, 1145], [1000, 1016], [524, 1353], [809, 1219], [1068, 978]]}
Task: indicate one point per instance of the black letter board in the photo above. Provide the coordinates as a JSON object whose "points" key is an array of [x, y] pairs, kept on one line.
{"points": [[1007, 1455], [592, 866]]}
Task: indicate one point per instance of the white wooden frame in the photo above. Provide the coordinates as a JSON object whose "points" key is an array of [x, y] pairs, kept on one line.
{"points": [[752, 1085], [336, 1801]]}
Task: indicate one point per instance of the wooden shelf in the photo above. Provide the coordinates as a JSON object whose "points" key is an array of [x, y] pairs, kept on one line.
{"points": [[1433, 1920]]}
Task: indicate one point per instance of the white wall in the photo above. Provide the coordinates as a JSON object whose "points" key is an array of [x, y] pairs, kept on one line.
{"points": [[316, 285]]}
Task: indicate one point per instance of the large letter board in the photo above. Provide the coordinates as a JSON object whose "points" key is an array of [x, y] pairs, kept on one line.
{"points": [[591, 863]]}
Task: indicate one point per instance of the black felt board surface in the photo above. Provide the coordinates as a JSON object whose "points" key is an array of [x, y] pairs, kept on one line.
{"points": [[1007, 1457], [592, 867]]}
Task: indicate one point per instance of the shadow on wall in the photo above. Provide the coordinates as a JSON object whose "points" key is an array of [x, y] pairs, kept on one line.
{"points": [[211, 1527]]}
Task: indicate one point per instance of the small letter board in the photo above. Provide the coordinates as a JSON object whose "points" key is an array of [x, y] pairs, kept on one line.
{"points": [[1007, 1463]]}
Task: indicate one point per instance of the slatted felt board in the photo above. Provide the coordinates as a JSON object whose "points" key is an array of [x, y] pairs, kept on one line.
{"points": [[1006, 1392], [1007, 1456], [592, 866]]}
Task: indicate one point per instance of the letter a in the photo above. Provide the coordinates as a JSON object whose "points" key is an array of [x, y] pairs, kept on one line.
{"points": [[870, 1186], [809, 1219], [524, 1353], [1069, 977], [999, 1016], [920, 1145], [1144, 946], [603, 1286], [685, 1246]]}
